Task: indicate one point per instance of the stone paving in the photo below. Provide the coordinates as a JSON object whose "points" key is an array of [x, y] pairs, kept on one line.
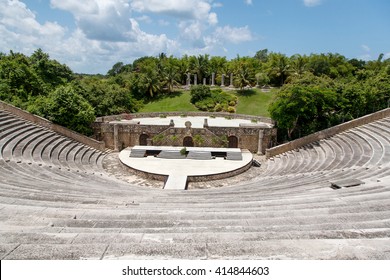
{"points": [[113, 166]]}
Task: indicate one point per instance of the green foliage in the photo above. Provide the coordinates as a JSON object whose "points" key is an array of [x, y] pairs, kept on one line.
{"points": [[199, 92], [198, 140], [183, 151], [158, 138], [313, 92], [68, 108], [215, 100]]}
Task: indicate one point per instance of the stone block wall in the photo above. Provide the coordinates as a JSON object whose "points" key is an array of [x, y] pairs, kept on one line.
{"points": [[118, 135]]}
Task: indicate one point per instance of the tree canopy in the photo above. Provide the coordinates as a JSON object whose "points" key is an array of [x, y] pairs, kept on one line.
{"points": [[315, 91]]}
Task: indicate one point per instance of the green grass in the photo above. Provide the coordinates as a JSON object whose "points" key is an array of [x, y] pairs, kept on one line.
{"points": [[177, 101], [254, 102], [250, 102]]}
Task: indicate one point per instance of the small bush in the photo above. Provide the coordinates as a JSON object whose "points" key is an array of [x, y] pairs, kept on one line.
{"points": [[198, 139], [183, 151], [158, 138], [218, 108], [199, 92], [231, 109]]}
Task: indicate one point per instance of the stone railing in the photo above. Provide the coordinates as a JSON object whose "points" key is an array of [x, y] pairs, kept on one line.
{"points": [[183, 114], [323, 134], [99, 145]]}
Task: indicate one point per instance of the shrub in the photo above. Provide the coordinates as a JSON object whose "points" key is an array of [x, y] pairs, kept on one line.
{"points": [[231, 109], [198, 140], [199, 92], [218, 108], [183, 151], [158, 138], [66, 107]]}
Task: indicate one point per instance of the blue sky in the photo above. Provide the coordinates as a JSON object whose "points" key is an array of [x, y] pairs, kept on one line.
{"points": [[92, 35]]}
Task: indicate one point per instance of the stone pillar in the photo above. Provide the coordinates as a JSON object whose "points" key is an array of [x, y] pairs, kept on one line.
{"points": [[231, 80], [260, 143], [195, 79], [188, 79], [212, 79], [223, 80], [116, 137], [204, 81], [205, 123]]}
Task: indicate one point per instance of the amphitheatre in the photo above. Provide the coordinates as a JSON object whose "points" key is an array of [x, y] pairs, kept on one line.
{"points": [[66, 196]]}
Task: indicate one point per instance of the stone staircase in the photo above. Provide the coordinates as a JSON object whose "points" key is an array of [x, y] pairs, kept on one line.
{"points": [[57, 202]]}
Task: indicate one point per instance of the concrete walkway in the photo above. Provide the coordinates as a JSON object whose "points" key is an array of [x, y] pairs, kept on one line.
{"points": [[196, 122]]}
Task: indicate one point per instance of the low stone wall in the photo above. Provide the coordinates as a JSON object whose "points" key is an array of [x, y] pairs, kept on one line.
{"points": [[326, 133], [99, 145], [189, 114]]}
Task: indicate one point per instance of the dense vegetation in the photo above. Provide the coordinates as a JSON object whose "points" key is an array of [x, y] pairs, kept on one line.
{"points": [[315, 91]]}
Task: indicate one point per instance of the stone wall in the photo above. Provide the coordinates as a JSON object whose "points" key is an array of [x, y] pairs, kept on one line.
{"points": [[54, 127], [118, 135], [323, 134], [190, 114]]}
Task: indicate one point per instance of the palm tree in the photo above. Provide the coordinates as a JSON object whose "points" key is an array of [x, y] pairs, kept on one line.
{"points": [[298, 64], [280, 66], [170, 77]]}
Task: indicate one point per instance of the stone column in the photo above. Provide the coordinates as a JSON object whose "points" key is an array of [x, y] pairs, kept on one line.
{"points": [[231, 80], [188, 79], [205, 123], [212, 79], [195, 79], [204, 81], [223, 80], [260, 143], [116, 137]]}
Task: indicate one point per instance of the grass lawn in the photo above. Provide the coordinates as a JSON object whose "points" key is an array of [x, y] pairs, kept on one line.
{"points": [[177, 101], [254, 102], [250, 102]]}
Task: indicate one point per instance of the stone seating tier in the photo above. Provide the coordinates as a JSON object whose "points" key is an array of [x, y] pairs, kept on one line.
{"points": [[57, 202]]}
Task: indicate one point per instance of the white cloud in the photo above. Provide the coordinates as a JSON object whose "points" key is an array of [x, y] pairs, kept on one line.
{"points": [[248, 2], [21, 31], [107, 31], [366, 48], [235, 35], [144, 18], [185, 9], [106, 20], [387, 55], [312, 3], [163, 22], [76, 7]]}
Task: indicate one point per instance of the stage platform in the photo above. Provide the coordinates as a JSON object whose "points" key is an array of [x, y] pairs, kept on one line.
{"points": [[178, 172]]}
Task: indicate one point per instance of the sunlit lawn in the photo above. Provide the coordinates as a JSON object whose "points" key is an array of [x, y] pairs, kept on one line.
{"points": [[254, 102], [250, 102], [177, 101]]}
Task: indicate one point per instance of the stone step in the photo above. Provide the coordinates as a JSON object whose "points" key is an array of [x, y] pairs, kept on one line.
{"points": [[376, 248]]}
